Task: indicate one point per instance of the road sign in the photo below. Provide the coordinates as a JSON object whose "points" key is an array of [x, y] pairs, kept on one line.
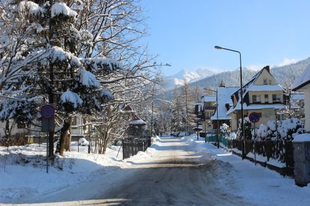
{"points": [[47, 111], [48, 125], [254, 117]]}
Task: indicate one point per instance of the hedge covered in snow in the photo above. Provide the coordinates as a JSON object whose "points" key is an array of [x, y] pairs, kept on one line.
{"points": [[274, 130]]}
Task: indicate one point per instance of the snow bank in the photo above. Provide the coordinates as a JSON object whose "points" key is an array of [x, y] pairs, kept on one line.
{"points": [[23, 170], [302, 138], [256, 184]]}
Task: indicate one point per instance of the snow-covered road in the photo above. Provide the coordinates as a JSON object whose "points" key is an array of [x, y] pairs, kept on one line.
{"points": [[175, 174], [178, 175], [173, 171]]}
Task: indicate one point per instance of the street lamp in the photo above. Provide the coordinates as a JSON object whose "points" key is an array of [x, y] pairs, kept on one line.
{"points": [[217, 116], [241, 94]]}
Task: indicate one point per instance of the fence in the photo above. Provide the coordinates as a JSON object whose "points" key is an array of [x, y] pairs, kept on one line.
{"points": [[223, 140], [132, 146], [16, 140], [279, 150]]}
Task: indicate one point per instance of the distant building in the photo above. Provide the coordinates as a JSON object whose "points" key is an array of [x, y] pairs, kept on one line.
{"points": [[224, 105], [303, 85], [20, 128], [208, 106]]}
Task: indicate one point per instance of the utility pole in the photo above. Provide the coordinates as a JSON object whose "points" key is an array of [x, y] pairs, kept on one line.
{"points": [[217, 118]]}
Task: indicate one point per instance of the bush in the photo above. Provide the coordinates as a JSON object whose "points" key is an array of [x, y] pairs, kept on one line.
{"points": [[247, 129], [283, 130]]}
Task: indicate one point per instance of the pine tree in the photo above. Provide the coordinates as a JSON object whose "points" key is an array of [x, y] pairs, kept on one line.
{"points": [[49, 66]]}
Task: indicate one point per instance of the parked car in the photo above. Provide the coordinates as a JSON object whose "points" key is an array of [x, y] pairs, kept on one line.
{"points": [[182, 134], [175, 134], [83, 142]]}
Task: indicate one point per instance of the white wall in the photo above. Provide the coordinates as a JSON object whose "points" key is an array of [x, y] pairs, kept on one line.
{"points": [[307, 110]]}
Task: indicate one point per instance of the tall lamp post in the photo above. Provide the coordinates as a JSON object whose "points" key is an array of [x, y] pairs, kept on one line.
{"points": [[241, 94], [217, 116]]}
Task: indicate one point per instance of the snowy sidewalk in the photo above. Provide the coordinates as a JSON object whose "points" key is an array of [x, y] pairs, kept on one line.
{"points": [[23, 172], [258, 184]]}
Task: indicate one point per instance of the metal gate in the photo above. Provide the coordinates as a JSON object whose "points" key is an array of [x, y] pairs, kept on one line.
{"points": [[132, 146]]}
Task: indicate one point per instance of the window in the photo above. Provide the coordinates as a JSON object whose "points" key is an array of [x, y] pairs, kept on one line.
{"points": [[279, 117], [270, 81], [209, 115], [209, 104], [266, 98], [276, 98], [227, 106], [265, 82], [256, 99], [21, 125], [74, 121]]}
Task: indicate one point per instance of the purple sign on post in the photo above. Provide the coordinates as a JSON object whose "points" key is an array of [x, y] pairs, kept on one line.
{"points": [[254, 117]]}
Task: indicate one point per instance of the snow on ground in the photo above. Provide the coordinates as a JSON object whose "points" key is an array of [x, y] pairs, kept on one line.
{"points": [[258, 184], [23, 173], [23, 176]]}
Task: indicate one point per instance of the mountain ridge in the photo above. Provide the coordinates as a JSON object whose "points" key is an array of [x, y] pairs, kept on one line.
{"points": [[285, 75]]}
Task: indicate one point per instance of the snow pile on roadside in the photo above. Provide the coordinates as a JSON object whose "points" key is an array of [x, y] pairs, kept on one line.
{"points": [[23, 170], [140, 156], [257, 184]]}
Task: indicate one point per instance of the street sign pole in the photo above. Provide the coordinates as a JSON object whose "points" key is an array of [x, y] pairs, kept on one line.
{"points": [[254, 118], [48, 126], [254, 145], [47, 152]]}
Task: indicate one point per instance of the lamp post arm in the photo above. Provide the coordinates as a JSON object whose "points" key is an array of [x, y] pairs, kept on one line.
{"points": [[241, 94], [232, 50]]}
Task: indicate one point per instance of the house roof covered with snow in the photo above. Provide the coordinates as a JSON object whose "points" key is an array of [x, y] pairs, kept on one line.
{"points": [[264, 88], [208, 98], [257, 106], [303, 80], [252, 86], [136, 121], [224, 98]]}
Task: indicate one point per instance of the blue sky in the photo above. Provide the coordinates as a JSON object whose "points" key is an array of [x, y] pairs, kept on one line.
{"points": [[267, 32]]}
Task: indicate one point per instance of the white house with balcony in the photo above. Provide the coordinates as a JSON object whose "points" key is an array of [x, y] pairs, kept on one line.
{"points": [[262, 95], [208, 108]]}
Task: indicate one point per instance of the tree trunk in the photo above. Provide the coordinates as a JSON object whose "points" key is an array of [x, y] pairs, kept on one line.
{"points": [[102, 146], [106, 140], [64, 136], [105, 144], [68, 137], [7, 132]]}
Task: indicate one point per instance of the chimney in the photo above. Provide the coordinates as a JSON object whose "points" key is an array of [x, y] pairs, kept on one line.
{"points": [[267, 68]]}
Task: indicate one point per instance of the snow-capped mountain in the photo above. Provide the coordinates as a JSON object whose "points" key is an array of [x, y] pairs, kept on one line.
{"points": [[187, 76], [285, 75]]}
